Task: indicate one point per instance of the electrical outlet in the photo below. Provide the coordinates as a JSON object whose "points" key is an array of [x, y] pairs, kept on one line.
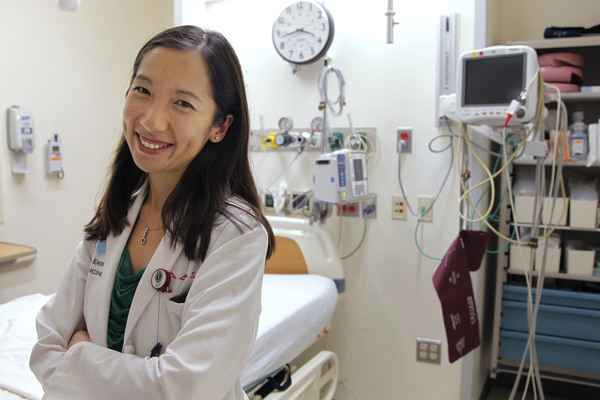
{"points": [[404, 135], [425, 203], [429, 350], [398, 207], [369, 206], [349, 209], [268, 203], [301, 201]]}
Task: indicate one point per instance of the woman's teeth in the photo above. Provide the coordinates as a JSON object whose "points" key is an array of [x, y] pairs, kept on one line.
{"points": [[151, 145]]}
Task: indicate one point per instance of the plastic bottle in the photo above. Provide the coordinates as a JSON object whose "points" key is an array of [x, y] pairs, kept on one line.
{"points": [[578, 143]]}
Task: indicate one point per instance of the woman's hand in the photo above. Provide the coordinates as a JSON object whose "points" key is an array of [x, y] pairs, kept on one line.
{"points": [[79, 336]]}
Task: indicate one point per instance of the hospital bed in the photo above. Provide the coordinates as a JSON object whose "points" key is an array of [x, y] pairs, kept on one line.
{"points": [[300, 292]]}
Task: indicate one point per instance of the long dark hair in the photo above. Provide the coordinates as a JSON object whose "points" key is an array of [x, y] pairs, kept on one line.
{"points": [[220, 171]]}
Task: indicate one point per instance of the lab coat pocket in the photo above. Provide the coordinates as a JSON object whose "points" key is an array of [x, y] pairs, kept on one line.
{"points": [[175, 310]]}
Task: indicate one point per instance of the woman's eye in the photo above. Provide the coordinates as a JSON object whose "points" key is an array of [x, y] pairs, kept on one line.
{"points": [[141, 89], [184, 103]]}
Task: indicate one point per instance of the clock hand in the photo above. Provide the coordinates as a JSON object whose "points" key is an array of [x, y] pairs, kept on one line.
{"points": [[302, 30], [292, 32], [288, 34], [297, 30]]}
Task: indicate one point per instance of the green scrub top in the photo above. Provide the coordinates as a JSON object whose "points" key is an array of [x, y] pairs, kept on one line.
{"points": [[120, 301]]}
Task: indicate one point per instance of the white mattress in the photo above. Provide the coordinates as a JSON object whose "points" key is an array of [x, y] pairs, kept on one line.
{"points": [[295, 311]]}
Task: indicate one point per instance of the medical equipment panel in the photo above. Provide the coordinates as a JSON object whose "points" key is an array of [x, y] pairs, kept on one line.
{"points": [[308, 138], [54, 157], [341, 176], [21, 135], [491, 80]]}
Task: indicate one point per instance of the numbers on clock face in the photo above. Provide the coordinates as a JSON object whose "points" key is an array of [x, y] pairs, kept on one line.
{"points": [[303, 32]]}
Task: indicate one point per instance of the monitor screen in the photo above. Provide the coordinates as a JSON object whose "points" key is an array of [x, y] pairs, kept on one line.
{"points": [[358, 171], [493, 80]]}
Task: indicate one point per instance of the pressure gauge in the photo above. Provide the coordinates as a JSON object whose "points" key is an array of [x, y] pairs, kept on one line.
{"points": [[303, 32], [283, 139], [285, 124], [317, 124]]}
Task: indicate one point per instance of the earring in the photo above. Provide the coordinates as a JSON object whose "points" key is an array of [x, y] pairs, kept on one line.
{"points": [[217, 138]]}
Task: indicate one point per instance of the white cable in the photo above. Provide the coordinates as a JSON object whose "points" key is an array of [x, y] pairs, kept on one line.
{"points": [[533, 372], [533, 310], [359, 141], [541, 276], [322, 84]]}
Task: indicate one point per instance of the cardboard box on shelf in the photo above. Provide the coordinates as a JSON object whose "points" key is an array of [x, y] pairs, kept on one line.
{"points": [[560, 207], [519, 258], [583, 213], [524, 208], [579, 258]]}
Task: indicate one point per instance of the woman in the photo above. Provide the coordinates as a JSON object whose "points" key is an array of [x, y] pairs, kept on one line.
{"points": [[162, 298]]}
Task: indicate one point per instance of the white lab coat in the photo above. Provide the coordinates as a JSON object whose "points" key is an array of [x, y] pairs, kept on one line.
{"points": [[206, 340]]}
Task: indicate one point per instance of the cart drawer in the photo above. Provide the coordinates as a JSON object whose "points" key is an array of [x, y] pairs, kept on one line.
{"points": [[555, 297], [568, 322], [580, 355]]}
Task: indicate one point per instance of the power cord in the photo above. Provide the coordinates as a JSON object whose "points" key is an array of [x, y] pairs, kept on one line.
{"points": [[362, 239], [423, 212]]}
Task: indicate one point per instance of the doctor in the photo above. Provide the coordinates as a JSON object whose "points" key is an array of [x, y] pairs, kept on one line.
{"points": [[162, 298]]}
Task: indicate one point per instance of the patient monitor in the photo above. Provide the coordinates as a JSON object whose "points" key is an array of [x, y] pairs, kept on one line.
{"points": [[490, 79]]}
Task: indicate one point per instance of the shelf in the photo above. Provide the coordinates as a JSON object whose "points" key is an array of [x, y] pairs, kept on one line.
{"points": [[559, 228], [9, 253], [554, 373], [587, 102], [579, 96], [560, 275], [568, 44], [548, 162], [580, 41]]}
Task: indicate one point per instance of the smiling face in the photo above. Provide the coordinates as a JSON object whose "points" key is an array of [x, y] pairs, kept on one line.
{"points": [[169, 112]]}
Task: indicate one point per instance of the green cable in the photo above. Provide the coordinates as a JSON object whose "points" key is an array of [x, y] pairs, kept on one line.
{"points": [[417, 242], [501, 249], [493, 216]]}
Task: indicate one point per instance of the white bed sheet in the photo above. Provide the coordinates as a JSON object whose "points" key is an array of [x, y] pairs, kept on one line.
{"points": [[295, 311], [17, 337]]}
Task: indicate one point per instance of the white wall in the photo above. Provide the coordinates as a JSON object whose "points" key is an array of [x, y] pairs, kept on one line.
{"points": [[389, 299], [71, 71]]}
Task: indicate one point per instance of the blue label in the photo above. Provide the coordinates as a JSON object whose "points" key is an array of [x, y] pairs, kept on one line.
{"points": [[101, 247]]}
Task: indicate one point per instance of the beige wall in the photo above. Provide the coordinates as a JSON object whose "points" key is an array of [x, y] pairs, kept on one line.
{"points": [[71, 71], [526, 20]]}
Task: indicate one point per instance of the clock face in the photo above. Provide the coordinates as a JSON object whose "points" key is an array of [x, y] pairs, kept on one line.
{"points": [[303, 32]]}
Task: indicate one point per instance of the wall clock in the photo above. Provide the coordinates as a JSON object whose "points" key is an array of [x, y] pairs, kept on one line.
{"points": [[303, 32]]}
